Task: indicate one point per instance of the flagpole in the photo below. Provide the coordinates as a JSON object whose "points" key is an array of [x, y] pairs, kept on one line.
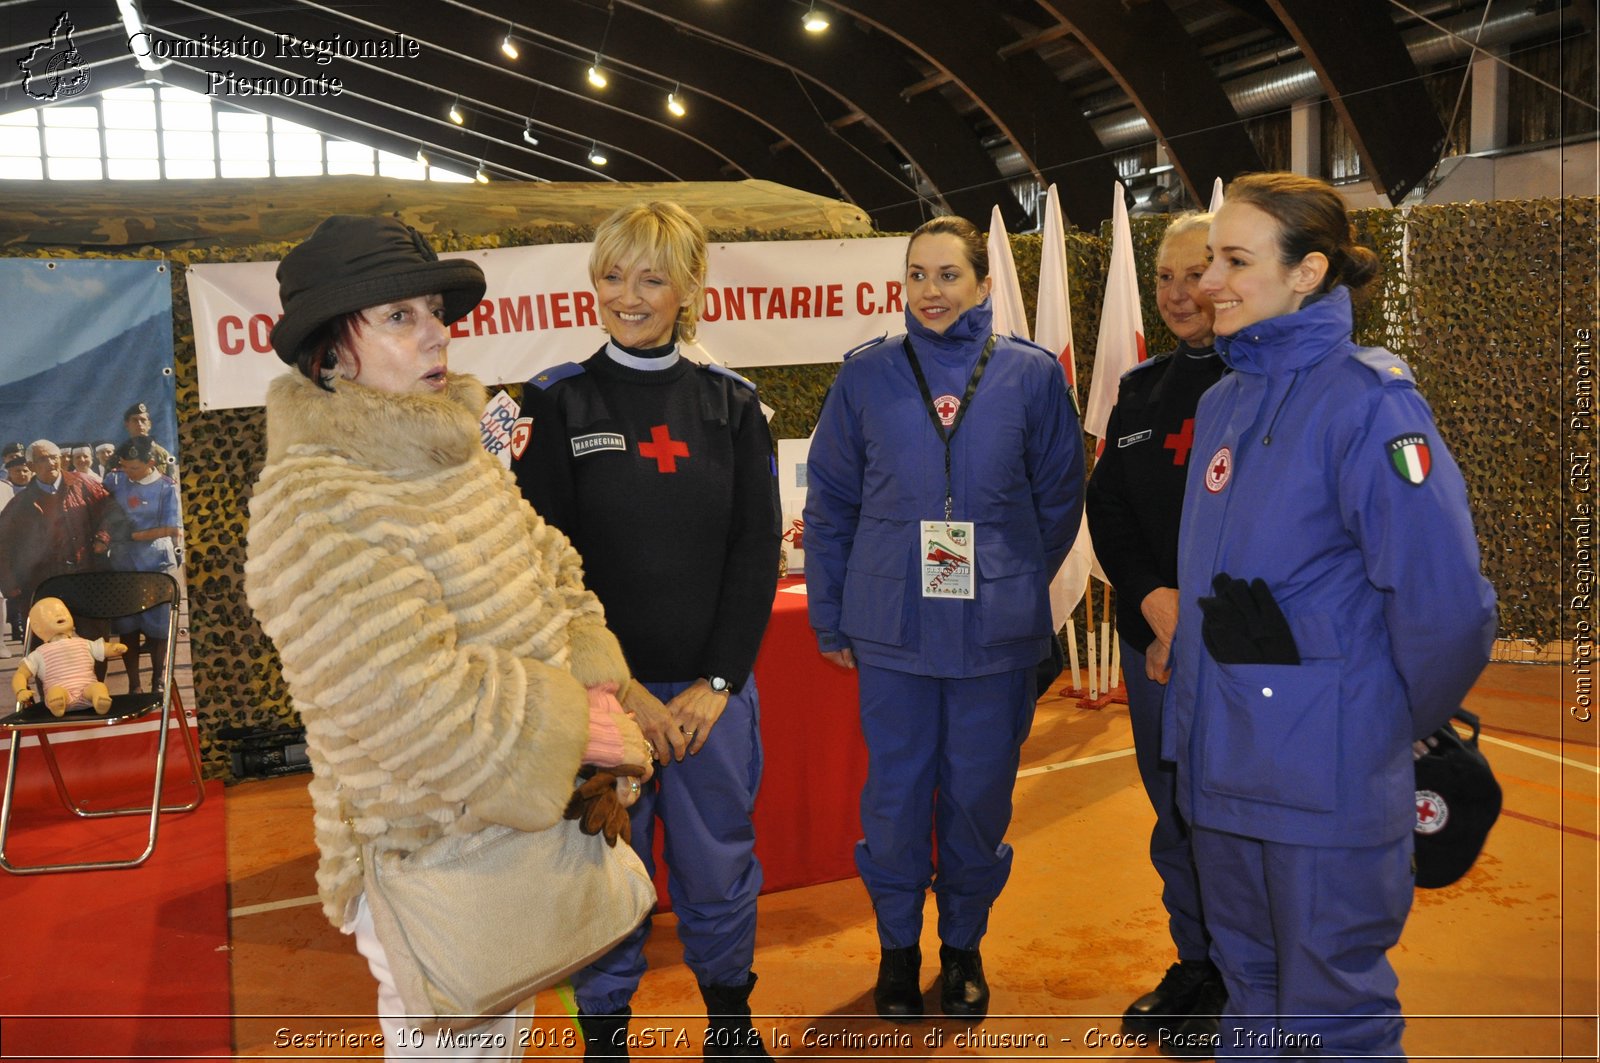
{"points": [[1053, 331], [1089, 643], [1116, 658], [1072, 653], [1106, 648], [1119, 347]]}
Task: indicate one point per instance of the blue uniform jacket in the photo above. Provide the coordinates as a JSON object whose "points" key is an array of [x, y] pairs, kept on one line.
{"points": [[876, 471], [1317, 468]]}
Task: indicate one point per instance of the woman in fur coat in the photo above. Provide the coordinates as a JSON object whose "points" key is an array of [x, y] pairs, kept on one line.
{"points": [[449, 666]]}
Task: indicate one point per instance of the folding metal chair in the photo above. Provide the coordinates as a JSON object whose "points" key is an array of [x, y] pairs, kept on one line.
{"points": [[105, 596]]}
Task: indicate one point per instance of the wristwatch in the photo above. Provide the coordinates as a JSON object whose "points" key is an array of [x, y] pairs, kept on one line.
{"points": [[719, 684]]}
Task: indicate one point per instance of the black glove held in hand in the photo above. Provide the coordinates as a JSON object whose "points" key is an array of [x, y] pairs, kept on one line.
{"points": [[595, 805], [1242, 624]]}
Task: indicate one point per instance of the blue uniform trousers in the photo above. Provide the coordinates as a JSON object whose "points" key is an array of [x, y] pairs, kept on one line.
{"points": [[705, 802], [1301, 934], [941, 760], [1170, 850]]}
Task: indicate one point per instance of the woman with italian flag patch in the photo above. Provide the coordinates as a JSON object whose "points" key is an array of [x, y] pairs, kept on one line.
{"points": [[1331, 611]]}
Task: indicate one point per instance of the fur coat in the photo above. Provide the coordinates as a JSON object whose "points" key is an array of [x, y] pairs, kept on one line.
{"points": [[435, 633]]}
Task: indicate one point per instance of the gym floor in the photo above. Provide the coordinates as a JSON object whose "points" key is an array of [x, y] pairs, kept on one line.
{"points": [[1501, 965]]}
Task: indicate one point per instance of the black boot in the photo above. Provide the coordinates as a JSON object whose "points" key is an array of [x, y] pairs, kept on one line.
{"points": [[1198, 1036], [731, 1034], [963, 991], [605, 1036], [898, 994], [1170, 1002]]}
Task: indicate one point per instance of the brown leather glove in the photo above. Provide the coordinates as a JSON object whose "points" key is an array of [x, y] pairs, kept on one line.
{"points": [[595, 805]]}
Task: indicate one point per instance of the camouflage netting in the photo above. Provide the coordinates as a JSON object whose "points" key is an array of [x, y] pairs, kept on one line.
{"points": [[1497, 292], [250, 213]]}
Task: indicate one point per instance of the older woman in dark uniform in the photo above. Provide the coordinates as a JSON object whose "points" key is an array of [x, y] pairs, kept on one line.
{"points": [[1134, 499]]}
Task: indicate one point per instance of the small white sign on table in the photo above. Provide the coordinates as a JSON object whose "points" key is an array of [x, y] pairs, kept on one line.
{"points": [[792, 455]]}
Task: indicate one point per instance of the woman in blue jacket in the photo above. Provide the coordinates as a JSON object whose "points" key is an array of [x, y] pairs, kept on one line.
{"points": [[1331, 612], [945, 487]]}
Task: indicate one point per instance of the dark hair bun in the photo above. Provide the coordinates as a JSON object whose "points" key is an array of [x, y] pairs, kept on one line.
{"points": [[1360, 265]]}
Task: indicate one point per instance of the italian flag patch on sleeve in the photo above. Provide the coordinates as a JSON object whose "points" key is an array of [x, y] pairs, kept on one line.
{"points": [[1410, 458]]}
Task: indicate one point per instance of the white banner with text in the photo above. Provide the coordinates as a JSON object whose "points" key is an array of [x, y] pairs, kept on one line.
{"points": [[767, 303]]}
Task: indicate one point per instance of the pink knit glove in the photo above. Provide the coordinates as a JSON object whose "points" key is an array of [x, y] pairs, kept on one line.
{"points": [[605, 741]]}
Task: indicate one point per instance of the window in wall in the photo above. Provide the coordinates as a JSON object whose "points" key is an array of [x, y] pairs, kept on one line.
{"points": [[1340, 159], [129, 108], [72, 143], [133, 146], [1537, 114], [20, 154], [188, 134], [144, 133], [392, 165], [1273, 137], [347, 157], [296, 149], [243, 146]]}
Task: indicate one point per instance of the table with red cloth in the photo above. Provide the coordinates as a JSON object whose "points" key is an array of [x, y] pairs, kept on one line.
{"points": [[808, 812]]}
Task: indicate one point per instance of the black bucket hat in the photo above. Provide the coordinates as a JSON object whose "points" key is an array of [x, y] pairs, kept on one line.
{"points": [[1458, 800], [354, 261]]}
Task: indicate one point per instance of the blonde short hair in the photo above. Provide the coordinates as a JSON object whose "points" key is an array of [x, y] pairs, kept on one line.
{"points": [[667, 238], [1182, 225]]}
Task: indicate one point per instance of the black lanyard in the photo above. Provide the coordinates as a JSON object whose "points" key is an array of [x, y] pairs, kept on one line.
{"points": [[961, 411]]}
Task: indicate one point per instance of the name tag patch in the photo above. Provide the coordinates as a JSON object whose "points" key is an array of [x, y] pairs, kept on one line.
{"points": [[596, 441], [1137, 437]]}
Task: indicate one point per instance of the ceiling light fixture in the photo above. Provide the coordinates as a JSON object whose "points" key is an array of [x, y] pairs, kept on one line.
{"points": [[527, 134], [479, 176], [815, 21], [422, 156], [596, 156], [675, 105], [597, 76], [509, 46], [455, 112]]}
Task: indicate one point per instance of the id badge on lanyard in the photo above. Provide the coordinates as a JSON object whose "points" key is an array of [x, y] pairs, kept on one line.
{"points": [[948, 550], [948, 547]]}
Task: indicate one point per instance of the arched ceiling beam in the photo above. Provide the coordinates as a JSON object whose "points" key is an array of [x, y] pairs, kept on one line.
{"points": [[742, 144], [1259, 10], [1157, 64], [578, 119], [1021, 95], [388, 94], [938, 142], [757, 89], [1373, 83]]}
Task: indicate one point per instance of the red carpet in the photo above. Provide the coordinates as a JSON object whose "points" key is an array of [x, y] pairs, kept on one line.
{"points": [[115, 965]]}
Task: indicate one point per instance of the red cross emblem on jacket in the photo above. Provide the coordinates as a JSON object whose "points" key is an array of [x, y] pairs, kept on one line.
{"points": [[664, 449], [1180, 442]]}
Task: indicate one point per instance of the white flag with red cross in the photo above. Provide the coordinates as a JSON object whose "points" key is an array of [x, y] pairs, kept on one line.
{"points": [[1120, 345], [1053, 331], [1005, 292]]}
